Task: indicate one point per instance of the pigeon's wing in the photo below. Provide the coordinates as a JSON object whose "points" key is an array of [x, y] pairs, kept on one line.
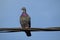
{"points": [[29, 22]]}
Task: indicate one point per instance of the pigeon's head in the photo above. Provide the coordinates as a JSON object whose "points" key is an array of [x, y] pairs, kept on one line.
{"points": [[23, 9]]}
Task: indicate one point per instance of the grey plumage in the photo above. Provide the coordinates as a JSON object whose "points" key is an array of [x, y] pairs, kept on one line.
{"points": [[25, 21]]}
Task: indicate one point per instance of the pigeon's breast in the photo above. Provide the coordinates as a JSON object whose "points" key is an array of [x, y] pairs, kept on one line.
{"points": [[24, 18]]}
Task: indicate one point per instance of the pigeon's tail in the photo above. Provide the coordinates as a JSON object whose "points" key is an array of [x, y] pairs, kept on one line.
{"points": [[28, 33]]}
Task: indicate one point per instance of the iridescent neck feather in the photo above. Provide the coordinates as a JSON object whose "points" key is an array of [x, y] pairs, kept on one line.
{"points": [[24, 14]]}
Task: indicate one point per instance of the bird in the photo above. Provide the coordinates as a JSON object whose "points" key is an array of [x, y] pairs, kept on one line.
{"points": [[25, 21]]}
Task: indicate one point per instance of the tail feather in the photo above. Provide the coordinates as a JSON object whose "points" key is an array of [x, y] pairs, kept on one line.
{"points": [[28, 33]]}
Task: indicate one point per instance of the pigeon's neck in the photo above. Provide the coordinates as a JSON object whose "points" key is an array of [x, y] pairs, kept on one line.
{"points": [[24, 14]]}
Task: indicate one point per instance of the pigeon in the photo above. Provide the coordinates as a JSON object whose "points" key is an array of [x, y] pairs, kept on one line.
{"points": [[25, 21]]}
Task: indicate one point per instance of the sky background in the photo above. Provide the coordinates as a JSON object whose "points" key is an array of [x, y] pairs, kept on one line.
{"points": [[43, 13]]}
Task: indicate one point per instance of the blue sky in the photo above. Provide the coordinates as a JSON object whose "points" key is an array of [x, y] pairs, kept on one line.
{"points": [[44, 13]]}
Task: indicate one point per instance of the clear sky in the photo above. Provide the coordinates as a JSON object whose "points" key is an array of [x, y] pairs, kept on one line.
{"points": [[44, 13]]}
